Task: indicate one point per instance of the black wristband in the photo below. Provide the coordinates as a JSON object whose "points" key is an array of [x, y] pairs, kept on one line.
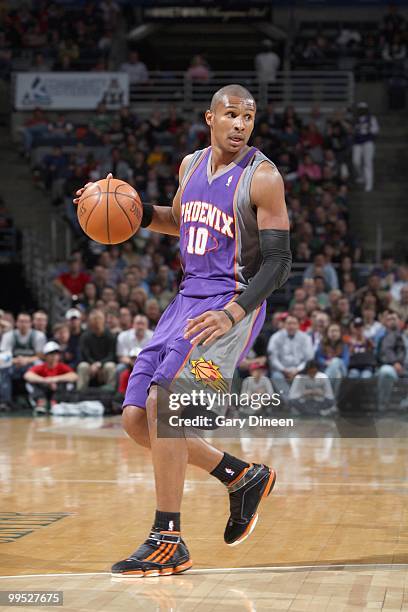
{"points": [[229, 315], [147, 216]]}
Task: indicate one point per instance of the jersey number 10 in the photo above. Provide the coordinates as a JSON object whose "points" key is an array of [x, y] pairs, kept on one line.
{"points": [[197, 240]]}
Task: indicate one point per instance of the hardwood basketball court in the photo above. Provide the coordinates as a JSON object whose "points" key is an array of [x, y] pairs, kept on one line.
{"points": [[78, 495]]}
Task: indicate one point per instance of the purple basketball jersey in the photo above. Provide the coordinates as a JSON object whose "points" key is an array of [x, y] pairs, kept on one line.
{"points": [[208, 228]]}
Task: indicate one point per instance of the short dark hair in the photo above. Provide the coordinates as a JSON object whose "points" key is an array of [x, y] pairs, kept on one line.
{"points": [[311, 365], [231, 90]]}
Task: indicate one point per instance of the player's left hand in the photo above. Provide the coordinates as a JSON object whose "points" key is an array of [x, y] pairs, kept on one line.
{"points": [[207, 327]]}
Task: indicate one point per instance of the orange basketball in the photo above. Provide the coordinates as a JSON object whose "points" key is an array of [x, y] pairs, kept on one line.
{"points": [[110, 211]]}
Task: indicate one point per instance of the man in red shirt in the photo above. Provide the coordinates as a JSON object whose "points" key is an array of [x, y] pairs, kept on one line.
{"points": [[73, 281], [44, 379]]}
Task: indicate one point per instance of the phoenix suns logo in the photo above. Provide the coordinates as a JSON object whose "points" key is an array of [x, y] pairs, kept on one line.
{"points": [[208, 373]]}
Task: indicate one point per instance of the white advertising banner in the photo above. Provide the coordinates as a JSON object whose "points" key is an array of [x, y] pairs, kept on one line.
{"points": [[70, 90]]}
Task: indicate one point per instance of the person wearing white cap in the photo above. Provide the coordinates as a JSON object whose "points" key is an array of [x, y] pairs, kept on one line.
{"points": [[365, 130], [44, 379], [73, 317]]}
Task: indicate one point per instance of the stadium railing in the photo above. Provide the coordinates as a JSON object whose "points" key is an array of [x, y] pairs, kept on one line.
{"points": [[301, 88], [40, 264]]}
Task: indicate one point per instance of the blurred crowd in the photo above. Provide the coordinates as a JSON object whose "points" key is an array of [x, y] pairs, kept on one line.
{"points": [[338, 326], [372, 49], [50, 36], [313, 152]]}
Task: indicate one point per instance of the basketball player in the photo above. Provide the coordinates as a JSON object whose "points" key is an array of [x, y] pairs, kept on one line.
{"points": [[230, 214]]}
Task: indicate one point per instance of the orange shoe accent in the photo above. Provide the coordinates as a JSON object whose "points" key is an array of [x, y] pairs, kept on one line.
{"points": [[131, 573], [164, 552], [244, 471], [254, 518], [169, 554], [155, 552], [183, 567], [270, 485]]}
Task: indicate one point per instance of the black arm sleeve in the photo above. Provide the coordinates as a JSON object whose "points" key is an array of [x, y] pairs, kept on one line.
{"points": [[274, 270]]}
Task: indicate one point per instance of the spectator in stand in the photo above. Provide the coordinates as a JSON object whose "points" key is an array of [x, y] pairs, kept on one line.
{"points": [[400, 282], [373, 330], [41, 64], [97, 353], [318, 329], [387, 271], [136, 69], [117, 165], [35, 127], [198, 70], [288, 351], [298, 310], [152, 311], [54, 166], [45, 379], [137, 337], [311, 392], [100, 122], [100, 278], [391, 358], [401, 306], [60, 335], [321, 293], [73, 316], [25, 345], [310, 169], [90, 296], [125, 318], [72, 282], [362, 362], [365, 130], [40, 322], [372, 288], [122, 293], [347, 272], [343, 315], [332, 356], [329, 273], [256, 384], [112, 320], [267, 63]]}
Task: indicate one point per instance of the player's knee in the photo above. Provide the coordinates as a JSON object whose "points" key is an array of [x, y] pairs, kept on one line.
{"points": [[134, 421]]}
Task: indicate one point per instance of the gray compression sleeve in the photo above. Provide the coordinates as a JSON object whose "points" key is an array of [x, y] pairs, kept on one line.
{"points": [[274, 270]]}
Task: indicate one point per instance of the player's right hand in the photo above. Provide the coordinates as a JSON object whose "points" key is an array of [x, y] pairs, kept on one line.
{"points": [[81, 191]]}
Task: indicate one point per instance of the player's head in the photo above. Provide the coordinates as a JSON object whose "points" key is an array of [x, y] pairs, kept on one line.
{"points": [[231, 118]]}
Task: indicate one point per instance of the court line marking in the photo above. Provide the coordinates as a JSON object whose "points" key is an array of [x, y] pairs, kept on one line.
{"points": [[221, 570]]}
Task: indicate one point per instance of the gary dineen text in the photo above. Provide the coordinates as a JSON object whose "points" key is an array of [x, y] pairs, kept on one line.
{"points": [[205, 421]]}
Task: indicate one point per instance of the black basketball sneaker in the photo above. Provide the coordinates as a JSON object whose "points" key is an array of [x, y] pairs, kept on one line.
{"points": [[164, 553], [246, 493]]}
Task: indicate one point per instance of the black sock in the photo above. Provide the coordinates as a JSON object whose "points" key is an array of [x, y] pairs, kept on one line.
{"points": [[167, 521], [228, 468]]}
